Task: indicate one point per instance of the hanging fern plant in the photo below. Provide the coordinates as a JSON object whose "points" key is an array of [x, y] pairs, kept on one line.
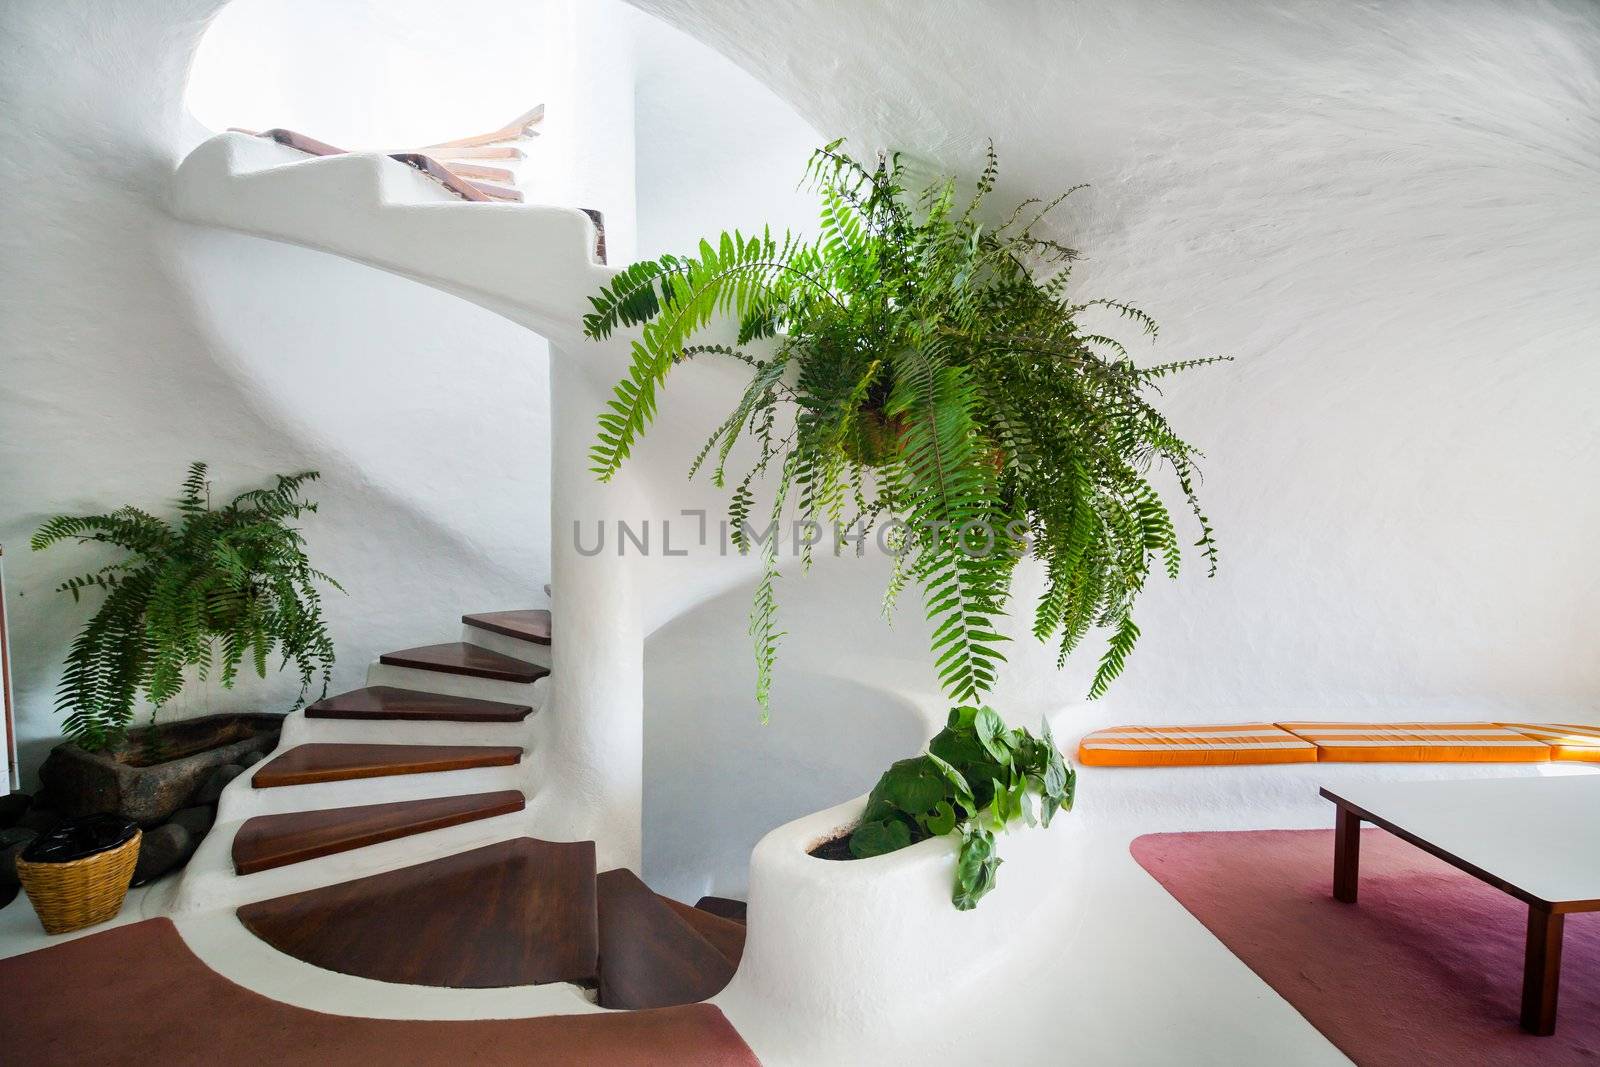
{"points": [[217, 590], [930, 372]]}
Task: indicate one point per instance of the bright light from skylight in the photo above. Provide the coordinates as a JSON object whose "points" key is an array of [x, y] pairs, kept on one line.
{"points": [[371, 74]]}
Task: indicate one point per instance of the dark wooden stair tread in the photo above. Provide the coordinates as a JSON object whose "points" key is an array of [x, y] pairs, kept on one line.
{"points": [[518, 912], [726, 907], [459, 657], [391, 702], [268, 841], [330, 762], [527, 625], [725, 935], [649, 957]]}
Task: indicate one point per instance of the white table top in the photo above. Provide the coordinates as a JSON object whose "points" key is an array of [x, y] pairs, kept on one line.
{"points": [[1540, 835]]}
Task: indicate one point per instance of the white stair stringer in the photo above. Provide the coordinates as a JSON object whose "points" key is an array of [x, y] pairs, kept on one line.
{"points": [[531, 263]]}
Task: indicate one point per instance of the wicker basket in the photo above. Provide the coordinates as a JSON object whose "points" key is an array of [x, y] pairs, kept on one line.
{"points": [[78, 893]]}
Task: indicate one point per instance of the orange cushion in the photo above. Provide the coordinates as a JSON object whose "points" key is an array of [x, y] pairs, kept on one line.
{"points": [[1418, 742], [1566, 740], [1192, 746]]}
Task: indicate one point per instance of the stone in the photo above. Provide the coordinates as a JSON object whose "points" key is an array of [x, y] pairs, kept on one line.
{"points": [[128, 780], [17, 835], [13, 806], [41, 819], [211, 789], [13, 847], [250, 759], [197, 820], [163, 849]]}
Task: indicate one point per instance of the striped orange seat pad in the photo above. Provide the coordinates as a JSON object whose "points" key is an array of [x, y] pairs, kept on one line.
{"points": [[1192, 746], [1419, 742], [1566, 740]]}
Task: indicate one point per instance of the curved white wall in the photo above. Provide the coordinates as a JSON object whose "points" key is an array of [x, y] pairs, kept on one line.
{"points": [[1387, 214], [136, 344]]}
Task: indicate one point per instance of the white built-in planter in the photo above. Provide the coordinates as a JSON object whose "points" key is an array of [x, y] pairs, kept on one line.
{"points": [[864, 955]]}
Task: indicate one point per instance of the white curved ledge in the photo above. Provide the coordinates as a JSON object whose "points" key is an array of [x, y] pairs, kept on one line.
{"points": [[528, 262], [843, 946]]}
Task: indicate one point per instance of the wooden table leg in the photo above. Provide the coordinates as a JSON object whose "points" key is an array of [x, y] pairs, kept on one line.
{"points": [[1346, 855], [1541, 973]]}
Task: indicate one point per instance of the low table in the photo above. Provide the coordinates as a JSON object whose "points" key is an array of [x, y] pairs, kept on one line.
{"points": [[1534, 838]]}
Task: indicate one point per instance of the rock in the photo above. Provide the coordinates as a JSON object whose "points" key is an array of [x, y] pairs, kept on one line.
{"points": [[211, 789], [146, 777], [41, 820], [250, 759], [163, 849], [13, 806], [197, 820], [17, 835], [8, 864]]}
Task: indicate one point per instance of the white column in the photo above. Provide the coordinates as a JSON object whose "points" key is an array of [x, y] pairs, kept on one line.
{"points": [[596, 708]]}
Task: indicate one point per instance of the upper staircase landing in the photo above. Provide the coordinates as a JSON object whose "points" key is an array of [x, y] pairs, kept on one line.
{"points": [[535, 264]]}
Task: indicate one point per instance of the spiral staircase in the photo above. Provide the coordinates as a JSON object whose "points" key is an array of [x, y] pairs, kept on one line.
{"points": [[457, 889], [470, 820]]}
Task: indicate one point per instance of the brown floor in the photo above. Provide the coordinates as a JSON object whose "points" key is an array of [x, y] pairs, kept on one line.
{"points": [[136, 995]]}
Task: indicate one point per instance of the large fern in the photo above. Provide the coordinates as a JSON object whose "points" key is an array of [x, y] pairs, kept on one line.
{"points": [[932, 371], [219, 590]]}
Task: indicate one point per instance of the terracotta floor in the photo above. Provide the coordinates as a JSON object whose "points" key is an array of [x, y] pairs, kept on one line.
{"points": [[136, 995]]}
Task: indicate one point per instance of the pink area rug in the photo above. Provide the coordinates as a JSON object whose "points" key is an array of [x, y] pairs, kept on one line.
{"points": [[1425, 969]]}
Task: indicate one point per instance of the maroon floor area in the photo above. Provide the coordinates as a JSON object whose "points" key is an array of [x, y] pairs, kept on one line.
{"points": [[1425, 969], [136, 995]]}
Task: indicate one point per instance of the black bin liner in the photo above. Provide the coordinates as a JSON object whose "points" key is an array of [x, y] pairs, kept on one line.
{"points": [[81, 837]]}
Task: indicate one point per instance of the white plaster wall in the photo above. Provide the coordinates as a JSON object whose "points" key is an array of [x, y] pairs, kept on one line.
{"points": [[1387, 215], [715, 148], [134, 344]]}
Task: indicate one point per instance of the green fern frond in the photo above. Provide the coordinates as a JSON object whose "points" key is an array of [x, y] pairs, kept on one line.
{"points": [[922, 368], [232, 581]]}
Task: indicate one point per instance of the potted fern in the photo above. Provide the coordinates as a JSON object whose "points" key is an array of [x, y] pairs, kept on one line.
{"points": [[919, 366], [204, 597]]}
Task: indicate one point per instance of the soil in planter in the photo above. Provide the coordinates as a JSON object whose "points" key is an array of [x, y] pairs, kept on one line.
{"points": [[834, 848]]}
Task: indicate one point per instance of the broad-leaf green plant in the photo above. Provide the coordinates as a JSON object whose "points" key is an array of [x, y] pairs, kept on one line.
{"points": [[215, 589], [977, 777]]}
